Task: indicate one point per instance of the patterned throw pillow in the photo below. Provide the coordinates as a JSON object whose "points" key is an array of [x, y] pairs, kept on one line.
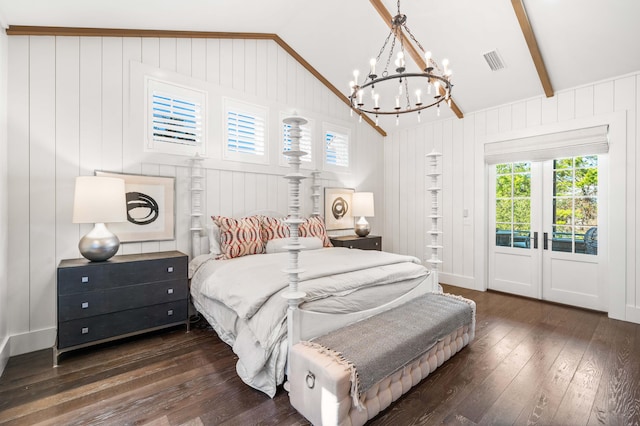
{"points": [[239, 237], [273, 228], [314, 227]]}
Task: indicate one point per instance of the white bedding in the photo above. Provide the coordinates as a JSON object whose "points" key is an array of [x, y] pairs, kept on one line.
{"points": [[242, 298]]}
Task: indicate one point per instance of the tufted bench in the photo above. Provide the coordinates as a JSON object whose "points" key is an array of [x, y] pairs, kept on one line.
{"points": [[322, 381]]}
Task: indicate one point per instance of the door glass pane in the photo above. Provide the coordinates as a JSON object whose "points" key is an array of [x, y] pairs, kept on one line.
{"points": [[575, 205], [513, 205]]}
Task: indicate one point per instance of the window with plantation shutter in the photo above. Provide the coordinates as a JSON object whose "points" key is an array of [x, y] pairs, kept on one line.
{"points": [[245, 132], [175, 117], [336, 149], [305, 143]]}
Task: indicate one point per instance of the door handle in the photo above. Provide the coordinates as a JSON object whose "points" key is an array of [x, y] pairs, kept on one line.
{"points": [[545, 243], [535, 240]]}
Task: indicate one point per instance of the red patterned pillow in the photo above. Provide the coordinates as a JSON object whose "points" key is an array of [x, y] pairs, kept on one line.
{"points": [[239, 237], [273, 228], [314, 227]]}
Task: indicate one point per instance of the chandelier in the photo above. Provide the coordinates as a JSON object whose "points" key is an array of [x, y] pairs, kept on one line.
{"points": [[391, 89]]}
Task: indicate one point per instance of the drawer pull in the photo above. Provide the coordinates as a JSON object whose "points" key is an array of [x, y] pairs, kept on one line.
{"points": [[85, 330], [170, 312], [350, 247], [169, 291], [85, 279], [85, 305], [170, 269]]}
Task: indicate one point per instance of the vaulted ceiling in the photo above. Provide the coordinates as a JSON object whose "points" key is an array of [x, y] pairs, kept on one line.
{"points": [[579, 41]]}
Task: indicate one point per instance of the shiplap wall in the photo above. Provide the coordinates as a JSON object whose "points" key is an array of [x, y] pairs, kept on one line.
{"points": [[464, 182], [4, 198], [69, 115]]}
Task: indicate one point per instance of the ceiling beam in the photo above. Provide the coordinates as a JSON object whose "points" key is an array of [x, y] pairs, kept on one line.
{"points": [[416, 55], [114, 32], [527, 31]]}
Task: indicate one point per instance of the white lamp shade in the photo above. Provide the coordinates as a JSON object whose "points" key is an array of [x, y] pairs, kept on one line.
{"points": [[99, 199], [362, 203]]}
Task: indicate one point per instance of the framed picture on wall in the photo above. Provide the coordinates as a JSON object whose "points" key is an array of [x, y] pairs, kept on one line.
{"points": [[150, 208], [337, 208]]}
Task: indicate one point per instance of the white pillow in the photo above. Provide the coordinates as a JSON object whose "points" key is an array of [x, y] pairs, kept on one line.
{"points": [[213, 232], [308, 243]]}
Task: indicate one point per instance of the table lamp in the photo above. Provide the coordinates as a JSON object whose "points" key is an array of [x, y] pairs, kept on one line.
{"points": [[99, 200], [362, 205]]}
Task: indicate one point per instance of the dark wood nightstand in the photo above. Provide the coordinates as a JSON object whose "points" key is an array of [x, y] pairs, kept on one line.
{"points": [[124, 296], [370, 242]]}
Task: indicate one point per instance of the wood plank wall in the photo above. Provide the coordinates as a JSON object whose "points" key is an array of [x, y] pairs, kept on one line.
{"points": [[68, 116], [4, 209], [462, 143]]}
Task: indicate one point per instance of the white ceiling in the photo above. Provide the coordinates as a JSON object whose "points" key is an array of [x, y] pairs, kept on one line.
{"points": [[581, 41]]}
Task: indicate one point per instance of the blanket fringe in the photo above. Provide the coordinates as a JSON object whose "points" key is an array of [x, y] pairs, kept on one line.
{"points": [[348, 365]]}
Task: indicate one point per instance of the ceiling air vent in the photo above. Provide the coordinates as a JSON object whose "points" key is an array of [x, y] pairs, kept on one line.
{"points": [[494, 60]]}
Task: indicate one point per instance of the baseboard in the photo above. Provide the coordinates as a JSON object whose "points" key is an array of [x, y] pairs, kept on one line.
{"points": [[32, 341], [4, 353], [458, 280], [633, 314]]}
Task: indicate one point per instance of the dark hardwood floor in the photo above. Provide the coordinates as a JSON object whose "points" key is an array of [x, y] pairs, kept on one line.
{"points": [[530, 363]]}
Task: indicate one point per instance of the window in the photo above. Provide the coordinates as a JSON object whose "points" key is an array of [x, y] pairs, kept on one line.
{"points": [[575, 205], [305, 143], [336, 149], [175, 118], [245, 132], [513, 204]]}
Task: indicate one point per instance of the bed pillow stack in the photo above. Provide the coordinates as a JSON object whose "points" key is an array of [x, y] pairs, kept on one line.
{"points": [[229, 237]]}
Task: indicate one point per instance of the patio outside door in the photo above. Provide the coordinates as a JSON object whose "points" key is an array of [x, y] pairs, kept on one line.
{"points": [[547, 218]]}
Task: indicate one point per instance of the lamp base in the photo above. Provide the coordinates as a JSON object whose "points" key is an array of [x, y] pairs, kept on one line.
{"points": [[99, 244], [362, 227]]}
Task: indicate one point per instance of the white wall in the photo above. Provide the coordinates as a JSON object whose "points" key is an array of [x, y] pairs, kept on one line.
{"points": [[4, 220], [70, 115], [464, 181]]}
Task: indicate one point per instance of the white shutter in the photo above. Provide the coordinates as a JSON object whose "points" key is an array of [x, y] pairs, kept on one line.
{"points": [[572, 143], [175, 119], [336, 148], [245, 132]]}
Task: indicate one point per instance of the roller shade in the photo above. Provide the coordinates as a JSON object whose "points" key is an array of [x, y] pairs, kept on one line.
{"points": [[572, 143]]}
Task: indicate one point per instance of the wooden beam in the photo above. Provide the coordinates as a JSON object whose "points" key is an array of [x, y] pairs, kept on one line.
{"points": [[114, 32], [416, 55], [530, 38]]}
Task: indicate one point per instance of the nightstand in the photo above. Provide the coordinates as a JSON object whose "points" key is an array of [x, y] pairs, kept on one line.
{"points": [[124, 296], [370, 242]]}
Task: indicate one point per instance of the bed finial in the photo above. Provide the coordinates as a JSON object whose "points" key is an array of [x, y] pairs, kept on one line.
{"points": [[197, 188], [315, 192], [434, 232], [293, 295]]}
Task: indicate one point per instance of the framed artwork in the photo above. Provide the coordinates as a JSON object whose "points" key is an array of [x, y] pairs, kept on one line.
{"points": [[337, 208], [150, 208]]}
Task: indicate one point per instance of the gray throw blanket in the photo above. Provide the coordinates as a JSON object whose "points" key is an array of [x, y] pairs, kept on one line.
{"points": [[380, 345]]}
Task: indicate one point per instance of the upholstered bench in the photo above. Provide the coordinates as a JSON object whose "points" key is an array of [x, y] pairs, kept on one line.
{"points": [[349, 375]]}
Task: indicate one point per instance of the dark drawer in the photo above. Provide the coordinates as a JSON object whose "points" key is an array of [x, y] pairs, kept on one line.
{"points": [[363, 243], [110, 275], [90, 303], [79, 331]]}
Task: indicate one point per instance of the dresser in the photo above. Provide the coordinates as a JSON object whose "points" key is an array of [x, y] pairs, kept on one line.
{"points": [[370, 242], [124, 296]]}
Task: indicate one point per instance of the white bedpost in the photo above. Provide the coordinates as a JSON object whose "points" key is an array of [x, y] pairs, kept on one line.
{"points": [[315, 192], [196, 189], [433, 233], [294, 220]]}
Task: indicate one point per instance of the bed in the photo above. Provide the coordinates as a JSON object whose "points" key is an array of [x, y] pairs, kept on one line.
{"points": [[273, 282]]}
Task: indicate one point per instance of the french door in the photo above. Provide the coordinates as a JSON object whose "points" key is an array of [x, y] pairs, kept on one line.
{"points": [[549, 220]]}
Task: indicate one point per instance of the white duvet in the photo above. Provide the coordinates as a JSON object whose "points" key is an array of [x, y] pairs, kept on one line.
{"points": [[242, 298]]}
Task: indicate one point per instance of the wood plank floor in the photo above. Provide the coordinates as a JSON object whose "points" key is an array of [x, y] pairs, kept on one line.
{"points": [[530, 363]]}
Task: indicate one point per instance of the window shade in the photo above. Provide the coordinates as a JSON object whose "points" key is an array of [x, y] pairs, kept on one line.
{"points": [[572, 143]]}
